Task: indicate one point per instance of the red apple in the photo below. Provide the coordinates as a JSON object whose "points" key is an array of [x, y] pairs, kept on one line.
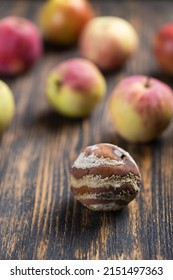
{"points": [[62, 21], [20, 45], [108, 41], [75, 87], [163, 47], [141, 108]]}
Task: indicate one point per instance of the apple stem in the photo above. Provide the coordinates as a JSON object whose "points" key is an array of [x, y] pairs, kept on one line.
{"points": [[59, 83], [147, 83]]}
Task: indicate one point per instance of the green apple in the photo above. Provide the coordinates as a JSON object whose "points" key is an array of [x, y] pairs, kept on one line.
{"points": [[75, 87], [7, 106]]}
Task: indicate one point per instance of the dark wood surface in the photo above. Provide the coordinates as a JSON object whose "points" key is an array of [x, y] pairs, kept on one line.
{"points": [[39, 218]]}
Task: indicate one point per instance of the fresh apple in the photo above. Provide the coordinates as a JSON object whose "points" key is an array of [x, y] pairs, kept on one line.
{"points": [[108, 41], [75, 87], [7, 106], [163, 47], [62, 21], [20, 45], [141, 108]]}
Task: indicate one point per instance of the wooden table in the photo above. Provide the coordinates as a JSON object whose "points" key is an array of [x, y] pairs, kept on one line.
{"points": [[39, 218]]}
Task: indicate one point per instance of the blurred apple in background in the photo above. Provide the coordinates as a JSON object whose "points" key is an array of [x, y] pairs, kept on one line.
{"points": [[163, 47], [7, 106], [20, 45], [108, 41], [141, 108], [75, 87], [62, 21]]}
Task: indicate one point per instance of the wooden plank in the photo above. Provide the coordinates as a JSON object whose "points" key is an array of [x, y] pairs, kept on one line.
{"points": [[39, 218]]}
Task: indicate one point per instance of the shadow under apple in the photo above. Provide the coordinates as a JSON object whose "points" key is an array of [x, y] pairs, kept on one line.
{"points": [[53, 121]]}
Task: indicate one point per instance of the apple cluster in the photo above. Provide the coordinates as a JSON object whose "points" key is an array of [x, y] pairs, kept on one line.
{"points": [[140, 107]]}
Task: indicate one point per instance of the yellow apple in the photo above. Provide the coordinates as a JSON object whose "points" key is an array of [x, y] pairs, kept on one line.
{"points": [[62, 21], [108, 41]]}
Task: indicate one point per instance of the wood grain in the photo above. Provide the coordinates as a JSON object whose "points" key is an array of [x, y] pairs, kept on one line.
{"points": [[39, 218]]}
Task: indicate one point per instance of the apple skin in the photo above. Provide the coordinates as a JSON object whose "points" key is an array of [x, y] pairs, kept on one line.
{"points": [[141, 108], [75, 87], [62, 21], [108, 42], [20, 45], [7, 106], [163, 47]]}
